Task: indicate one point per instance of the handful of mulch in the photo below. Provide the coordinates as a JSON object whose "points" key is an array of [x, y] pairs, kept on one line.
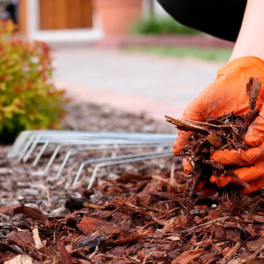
{"points": [[224, 132]]}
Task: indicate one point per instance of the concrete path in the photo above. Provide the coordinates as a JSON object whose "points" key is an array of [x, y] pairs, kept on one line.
{"points": [[132, 82]]}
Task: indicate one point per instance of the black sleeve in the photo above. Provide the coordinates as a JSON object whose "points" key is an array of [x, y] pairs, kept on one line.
{"points": [[220, 18]]}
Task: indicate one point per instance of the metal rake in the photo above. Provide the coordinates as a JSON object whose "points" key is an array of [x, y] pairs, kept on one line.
{"points": [[31, 141]]}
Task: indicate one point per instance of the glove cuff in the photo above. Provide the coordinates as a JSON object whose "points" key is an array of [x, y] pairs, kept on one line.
{"points": [[254, 67]]}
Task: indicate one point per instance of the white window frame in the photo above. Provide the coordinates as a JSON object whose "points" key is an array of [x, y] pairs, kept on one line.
{"points": [[68, 35]]}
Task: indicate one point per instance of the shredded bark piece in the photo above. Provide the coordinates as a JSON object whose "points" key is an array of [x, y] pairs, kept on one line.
{"points": [[253, 87], [214, 140], [183, 125]]}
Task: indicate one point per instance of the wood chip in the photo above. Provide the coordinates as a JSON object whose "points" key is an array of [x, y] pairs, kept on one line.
{"points": [[185, 126], [188, 256], [36, 238], [215, 141], [253, 86], [20, 259], [93, 206], [231, 253]]}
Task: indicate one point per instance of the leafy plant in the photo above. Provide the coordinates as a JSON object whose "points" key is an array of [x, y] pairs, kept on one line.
{"points": [[28, 99], [161, 26]]}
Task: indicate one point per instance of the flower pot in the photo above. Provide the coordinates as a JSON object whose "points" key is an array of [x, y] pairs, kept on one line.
{"points": [[117, 16]]}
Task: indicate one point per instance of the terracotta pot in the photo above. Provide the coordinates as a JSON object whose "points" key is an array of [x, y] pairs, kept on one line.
{"points": [[117, 16]]}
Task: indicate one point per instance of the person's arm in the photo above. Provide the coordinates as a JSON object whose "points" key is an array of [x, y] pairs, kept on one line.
{"points": [[228, 94], [250, 41]]}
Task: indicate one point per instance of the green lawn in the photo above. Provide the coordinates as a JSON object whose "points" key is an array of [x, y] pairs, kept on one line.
{"points": [[221, 55]]}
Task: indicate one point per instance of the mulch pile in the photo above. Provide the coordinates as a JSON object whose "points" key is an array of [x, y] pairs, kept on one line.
{"points": [[136, 218], [103, 118], [20, 183]]}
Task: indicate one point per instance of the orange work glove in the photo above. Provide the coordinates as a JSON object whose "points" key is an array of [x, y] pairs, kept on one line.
{"points": [[225, 95]]}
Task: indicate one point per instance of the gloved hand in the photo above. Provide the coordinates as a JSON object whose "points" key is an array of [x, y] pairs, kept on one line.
{"points": [[225, 95]]}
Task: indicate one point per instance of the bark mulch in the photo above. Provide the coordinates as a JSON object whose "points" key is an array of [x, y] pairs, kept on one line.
{"points": [[139, 217]]}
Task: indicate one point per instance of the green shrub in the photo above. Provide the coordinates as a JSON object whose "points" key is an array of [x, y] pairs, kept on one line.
{"points": [[161, 26], [28, 99]]}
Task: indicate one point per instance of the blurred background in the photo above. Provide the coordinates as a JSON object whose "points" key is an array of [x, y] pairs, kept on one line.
{"points": [[128, 54]]}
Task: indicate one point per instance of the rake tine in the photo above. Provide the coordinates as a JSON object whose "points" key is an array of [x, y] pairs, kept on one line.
{"points": [[67, 156], [35, 162], [114, 158], [123, 162]]}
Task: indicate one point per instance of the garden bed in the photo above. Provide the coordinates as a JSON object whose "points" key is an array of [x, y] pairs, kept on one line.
{"points": [[136, 216]]}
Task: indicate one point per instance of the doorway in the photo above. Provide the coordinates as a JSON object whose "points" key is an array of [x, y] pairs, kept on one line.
{"points": [[65, 14]]}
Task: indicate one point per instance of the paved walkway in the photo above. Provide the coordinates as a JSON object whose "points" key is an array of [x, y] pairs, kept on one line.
{"points": [[152, 84]]}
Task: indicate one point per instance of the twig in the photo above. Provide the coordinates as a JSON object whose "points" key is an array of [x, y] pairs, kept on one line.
{"points": [[211, 236], [208, 124], [232, 141], [224, 146], [93, 206], [159, 178], [257, 252], [48, 197], [145, 259], [231, 253], [209, 241], [135, 259], [208, 223], [199, 243], [94, 253], [234, 129], [183, 125], [172, 172]]}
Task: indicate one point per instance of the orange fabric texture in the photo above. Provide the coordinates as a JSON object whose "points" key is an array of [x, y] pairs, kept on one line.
{"points": [[225, 95]]}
